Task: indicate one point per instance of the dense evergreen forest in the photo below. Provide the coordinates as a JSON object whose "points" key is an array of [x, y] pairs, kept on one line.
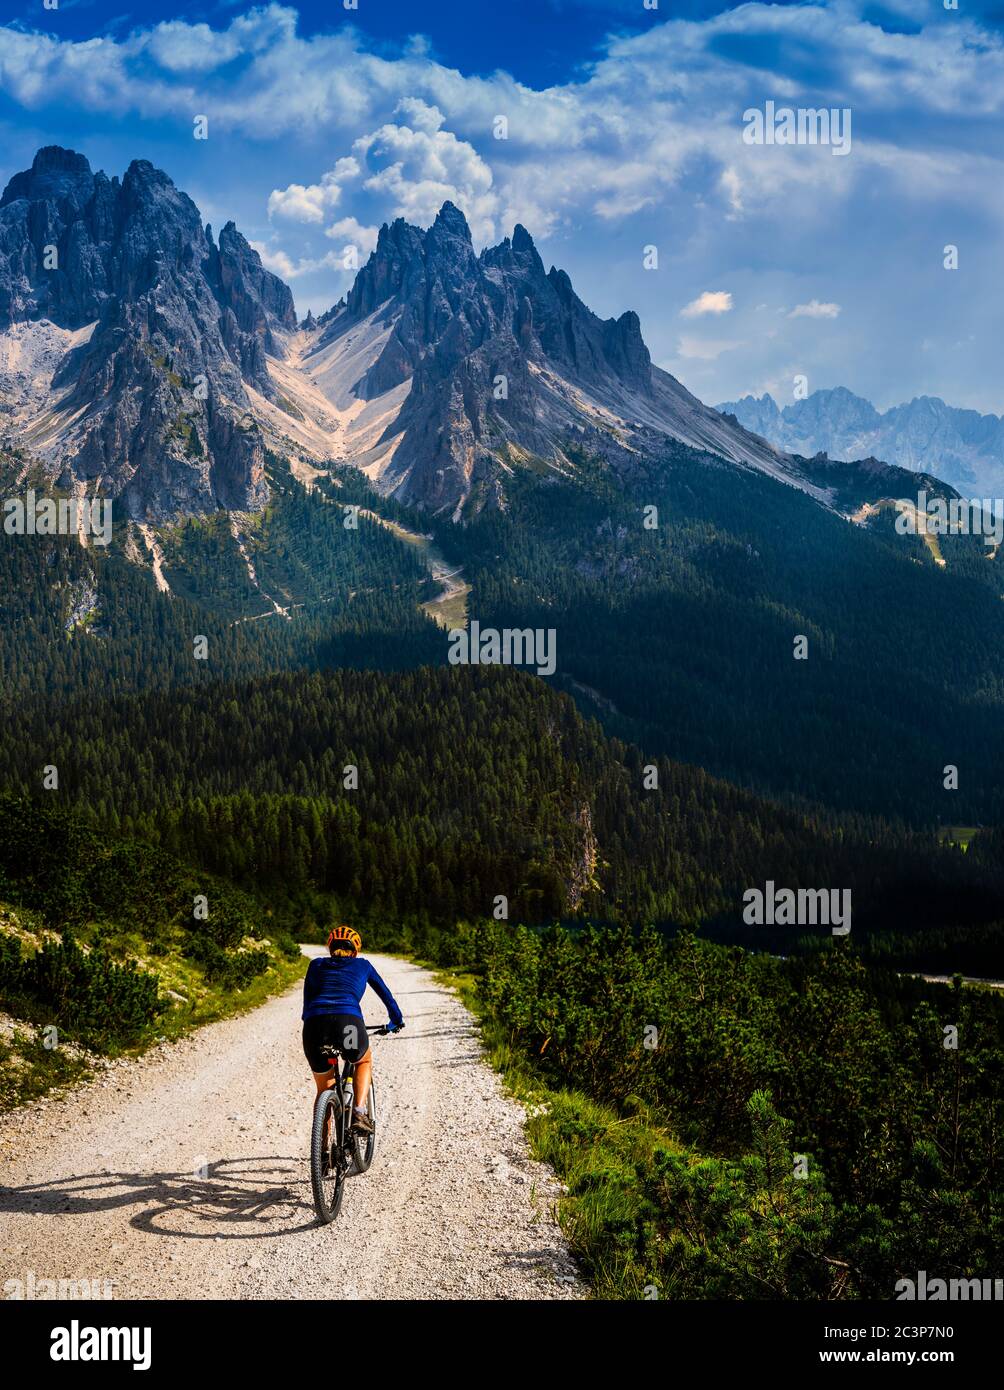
{"points": [[685, 633], [474, 783], [580, 845], [78, 622], [680, 638]]}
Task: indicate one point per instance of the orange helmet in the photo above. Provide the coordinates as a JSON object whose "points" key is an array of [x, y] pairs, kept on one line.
{"points": [[344, 941]]}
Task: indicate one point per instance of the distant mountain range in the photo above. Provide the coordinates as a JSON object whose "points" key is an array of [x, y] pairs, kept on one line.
{"points": [[962, 447]]}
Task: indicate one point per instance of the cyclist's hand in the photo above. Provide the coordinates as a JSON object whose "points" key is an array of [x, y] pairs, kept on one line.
{"points": [[395, 1027]]}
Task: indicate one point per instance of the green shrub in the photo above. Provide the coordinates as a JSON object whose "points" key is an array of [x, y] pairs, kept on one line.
{"points": [[87, 995]]}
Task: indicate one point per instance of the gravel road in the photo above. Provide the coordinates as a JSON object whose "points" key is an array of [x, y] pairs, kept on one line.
{"points": [[184, 1174]]}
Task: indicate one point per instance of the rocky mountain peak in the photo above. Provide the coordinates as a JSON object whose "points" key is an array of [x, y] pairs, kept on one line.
{"points": [[55, 174], [450, 221], [166, 385], [925, 435], [156, 311], [521, 239], [260, 301], [398, 252], [502, 362]]}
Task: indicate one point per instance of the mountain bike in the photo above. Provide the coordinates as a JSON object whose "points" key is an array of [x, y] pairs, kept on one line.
{"points": [[337, 1151]]}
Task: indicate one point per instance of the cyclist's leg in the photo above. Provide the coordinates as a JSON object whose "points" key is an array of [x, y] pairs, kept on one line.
{"points": [[316, 1036], [363, 1075], [354, 1045]]}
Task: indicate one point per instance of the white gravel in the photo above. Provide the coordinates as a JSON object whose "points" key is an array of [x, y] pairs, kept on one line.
{"points": [[184, 1174]]}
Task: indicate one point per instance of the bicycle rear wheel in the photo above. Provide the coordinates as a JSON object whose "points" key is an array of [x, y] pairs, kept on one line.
{"points": [[364, 1145], [327, 1157]]}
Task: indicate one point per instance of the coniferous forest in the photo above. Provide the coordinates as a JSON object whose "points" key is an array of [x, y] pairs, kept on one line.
{"points": [[333, 765], [395, 635]]}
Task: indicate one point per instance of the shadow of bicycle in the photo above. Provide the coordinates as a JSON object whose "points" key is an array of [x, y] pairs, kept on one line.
{"points": [[259, 1198]]}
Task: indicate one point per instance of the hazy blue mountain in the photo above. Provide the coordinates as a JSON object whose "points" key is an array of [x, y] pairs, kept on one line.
{"points": [[963, 447]]}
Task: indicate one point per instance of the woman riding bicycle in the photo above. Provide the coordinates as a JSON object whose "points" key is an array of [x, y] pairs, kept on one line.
{"points": [[332, 1017]]}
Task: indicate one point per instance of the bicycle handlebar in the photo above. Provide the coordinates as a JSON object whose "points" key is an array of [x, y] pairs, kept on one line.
{"points": [[383, 1029]]}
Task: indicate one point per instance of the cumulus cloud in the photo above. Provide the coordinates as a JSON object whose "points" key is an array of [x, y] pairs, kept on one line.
{"points": [[710, 302], [282, 264], [411, 166], [180, 47], [418, 166], [310, 202], [353, 233], [814, 310]]}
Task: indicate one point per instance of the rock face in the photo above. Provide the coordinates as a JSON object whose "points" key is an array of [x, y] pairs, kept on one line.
{"points": [[57, 206], [259, 300], [506, 367], [150, 404], [963, 447], [142, 359]]}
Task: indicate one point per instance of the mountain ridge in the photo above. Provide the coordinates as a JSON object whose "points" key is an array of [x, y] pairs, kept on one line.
{"points": [[925, 434], [143, 359], [153, 331], [506, 365]]}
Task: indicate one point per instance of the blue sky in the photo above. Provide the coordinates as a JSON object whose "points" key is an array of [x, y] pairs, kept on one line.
{"points": [[625, 131]]}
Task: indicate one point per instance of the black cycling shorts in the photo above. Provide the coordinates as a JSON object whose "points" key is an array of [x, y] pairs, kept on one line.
{"points": [[345, 1032]]}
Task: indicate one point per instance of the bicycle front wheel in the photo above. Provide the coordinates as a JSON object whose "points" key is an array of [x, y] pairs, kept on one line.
{"points": [[364, 1145], [327, 1157]]}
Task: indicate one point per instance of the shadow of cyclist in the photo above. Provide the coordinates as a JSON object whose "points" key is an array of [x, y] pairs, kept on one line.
{"points": [[236, 1198]]}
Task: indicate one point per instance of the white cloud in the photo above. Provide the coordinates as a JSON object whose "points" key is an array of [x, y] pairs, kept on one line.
{"points": [[310, 202], [419, 166], [814, 310], [280, 263], [706, 349], [179, 47], [710, 302], [621, 138], [412, 167], [301, 203], [353, 233], [275, 259]]}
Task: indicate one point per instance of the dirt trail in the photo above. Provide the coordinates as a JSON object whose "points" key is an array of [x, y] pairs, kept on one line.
{"points": [[184, 1175]]}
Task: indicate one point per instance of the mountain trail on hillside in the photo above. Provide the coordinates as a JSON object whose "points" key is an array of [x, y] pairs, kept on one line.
{"points": [[185, 1174]]}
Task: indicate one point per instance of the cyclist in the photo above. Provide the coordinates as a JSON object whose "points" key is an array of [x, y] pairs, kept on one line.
{"points": [[332, 1016]]}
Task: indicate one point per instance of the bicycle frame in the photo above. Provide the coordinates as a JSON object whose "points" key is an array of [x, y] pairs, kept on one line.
{"points": [[335, 1147], [345, 1071]]}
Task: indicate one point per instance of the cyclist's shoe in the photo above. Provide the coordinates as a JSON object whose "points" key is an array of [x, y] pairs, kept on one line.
{"points": [[361, 1123]]}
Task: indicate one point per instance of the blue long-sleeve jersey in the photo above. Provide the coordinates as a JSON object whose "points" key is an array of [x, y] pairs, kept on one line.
{"points": [[336, 985]]}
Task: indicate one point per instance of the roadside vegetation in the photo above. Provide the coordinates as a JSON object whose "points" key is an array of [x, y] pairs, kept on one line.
{"points": [[107, 945], [740, 1127]]}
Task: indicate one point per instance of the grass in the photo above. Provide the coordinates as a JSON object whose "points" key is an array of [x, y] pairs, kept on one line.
{"points": [[29, 1069], [213, 1004], [450, 612]]}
